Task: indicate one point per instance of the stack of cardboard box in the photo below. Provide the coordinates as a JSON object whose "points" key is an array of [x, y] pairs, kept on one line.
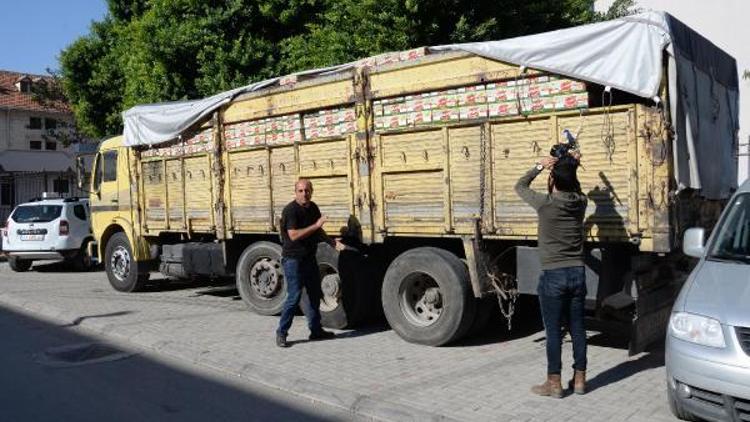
{"points": [[330, 123]]}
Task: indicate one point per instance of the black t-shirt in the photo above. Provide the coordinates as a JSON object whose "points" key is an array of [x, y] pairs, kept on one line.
{"points": [[296, 217]]}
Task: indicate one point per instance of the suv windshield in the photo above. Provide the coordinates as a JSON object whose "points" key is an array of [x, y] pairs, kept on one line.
{"points": [[36, 213], [733, 237]]}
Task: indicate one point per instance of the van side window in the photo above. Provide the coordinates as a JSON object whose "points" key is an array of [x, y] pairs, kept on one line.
{"points": [[110, 166], [80, 212]]}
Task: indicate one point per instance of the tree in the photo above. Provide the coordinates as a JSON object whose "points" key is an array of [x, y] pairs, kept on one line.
{"points": [[148, 51]]}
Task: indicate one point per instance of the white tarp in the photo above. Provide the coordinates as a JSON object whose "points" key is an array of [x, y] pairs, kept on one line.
{"points": [[626, 54]]}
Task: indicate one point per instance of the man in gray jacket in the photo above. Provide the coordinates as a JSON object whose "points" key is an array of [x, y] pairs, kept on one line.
{"points": [[562, 285]]}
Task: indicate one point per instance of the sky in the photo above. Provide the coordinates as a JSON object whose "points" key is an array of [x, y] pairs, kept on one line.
{"points": [[33, 32]]}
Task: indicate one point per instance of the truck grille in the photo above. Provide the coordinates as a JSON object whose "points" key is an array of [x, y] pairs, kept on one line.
{"points": [[743, 335], [31, 231]]}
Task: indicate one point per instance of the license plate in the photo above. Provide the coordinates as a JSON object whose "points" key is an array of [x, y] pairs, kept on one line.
{"points": [[32, 237]]}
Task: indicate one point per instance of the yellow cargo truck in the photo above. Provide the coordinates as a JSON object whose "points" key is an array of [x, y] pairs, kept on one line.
{"points": [[413, 157]]}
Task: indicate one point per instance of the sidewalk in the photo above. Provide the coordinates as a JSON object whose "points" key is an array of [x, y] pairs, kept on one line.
{"points": [[371, 372]]}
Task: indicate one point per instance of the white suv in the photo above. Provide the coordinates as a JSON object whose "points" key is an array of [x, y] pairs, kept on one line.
{"points": [[48, 229]]}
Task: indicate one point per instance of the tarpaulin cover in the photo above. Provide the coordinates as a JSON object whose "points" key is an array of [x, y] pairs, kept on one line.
{"points": [[626, 54]]}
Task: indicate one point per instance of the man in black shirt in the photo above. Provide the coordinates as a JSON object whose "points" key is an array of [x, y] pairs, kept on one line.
{"points": [[301, 231]]}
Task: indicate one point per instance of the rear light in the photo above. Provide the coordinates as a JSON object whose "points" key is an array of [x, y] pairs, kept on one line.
{"points": [[64, 228]]}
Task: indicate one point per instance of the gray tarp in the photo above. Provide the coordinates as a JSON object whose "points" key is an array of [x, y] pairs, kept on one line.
{"points": [[625, 54]]}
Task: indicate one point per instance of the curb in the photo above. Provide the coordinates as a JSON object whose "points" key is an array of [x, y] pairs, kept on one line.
{"points": [[356, 403]]}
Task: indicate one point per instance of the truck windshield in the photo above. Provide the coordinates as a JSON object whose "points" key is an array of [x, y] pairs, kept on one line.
{"points": [[732, 241], [36, 213]]}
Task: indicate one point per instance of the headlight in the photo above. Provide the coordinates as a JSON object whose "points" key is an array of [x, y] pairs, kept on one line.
{"points": [[697, 329]]}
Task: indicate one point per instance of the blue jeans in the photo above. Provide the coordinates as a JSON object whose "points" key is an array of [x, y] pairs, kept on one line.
{"points": [[301, 273], [562, 296]]}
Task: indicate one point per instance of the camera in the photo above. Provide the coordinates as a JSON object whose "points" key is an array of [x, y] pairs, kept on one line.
{"points": [[563, 148]]}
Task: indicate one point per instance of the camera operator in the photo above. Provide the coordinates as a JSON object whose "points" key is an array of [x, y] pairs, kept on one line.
{"points": [[562, 285]]}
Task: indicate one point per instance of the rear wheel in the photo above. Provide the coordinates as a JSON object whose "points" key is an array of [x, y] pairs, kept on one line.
{"points": [[19, 265], [427, 297], [347, 298], [82, 260], [260, 278], [121, 267]]}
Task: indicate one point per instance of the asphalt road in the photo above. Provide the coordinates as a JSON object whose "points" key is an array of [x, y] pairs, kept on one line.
{"points": [[39, 383]]}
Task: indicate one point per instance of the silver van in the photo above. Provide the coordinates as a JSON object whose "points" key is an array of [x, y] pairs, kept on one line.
{"points": [[708, 340]]}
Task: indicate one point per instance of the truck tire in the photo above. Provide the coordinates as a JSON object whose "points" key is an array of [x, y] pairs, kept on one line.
{"points": [[260, 278], [427, 297], [19, 265], [121, 267], [347, 297]]}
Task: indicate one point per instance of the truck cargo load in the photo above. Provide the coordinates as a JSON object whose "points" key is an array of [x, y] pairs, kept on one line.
{"points": [[414, 155]]}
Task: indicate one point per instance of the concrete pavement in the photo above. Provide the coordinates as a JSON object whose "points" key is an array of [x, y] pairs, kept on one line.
{"points": [[370, 372]]}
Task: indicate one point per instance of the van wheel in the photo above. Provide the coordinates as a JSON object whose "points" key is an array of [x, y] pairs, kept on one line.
{"points": [[677, 410], [260, 278], [121, 267], [427, 297], [346, 300], [19, 265]]}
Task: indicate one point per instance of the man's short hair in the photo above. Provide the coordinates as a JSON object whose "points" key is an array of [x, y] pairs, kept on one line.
{"points": [[564, 175]]}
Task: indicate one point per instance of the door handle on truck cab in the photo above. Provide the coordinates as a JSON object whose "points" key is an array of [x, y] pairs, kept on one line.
{"points": [[113, 200]]}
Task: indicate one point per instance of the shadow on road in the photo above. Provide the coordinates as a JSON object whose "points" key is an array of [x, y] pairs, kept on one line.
{"points": [[59, 267], [133, 387]]}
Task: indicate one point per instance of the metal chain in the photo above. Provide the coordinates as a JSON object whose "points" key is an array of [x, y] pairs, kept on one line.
{"points": [[507, 291], [482, 175]]}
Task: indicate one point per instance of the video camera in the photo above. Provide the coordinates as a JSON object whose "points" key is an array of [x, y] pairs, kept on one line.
{"points": [[563, 148]]}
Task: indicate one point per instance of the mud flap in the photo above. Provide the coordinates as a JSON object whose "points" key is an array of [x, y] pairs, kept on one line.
{"points": [[652, 316]]}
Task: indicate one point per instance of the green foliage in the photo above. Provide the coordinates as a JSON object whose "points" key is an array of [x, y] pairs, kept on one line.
{"points": [[148, 51]]}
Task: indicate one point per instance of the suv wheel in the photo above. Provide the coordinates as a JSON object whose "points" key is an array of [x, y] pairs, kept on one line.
{"points": [[19, 265]]}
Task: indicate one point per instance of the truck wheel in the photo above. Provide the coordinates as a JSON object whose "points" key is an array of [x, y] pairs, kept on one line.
{"points": [[345, 302], [260, 278], [121, 267], [427, 297], [19, 265]]}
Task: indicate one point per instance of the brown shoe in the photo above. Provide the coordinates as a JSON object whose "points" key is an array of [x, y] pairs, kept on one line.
{"points": [[578, 383], [551, 388]]}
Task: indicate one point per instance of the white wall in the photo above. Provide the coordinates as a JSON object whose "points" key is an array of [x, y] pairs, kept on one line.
{"points": [[725, 23]]}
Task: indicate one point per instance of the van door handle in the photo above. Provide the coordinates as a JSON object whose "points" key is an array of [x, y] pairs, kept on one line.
{"points": [[113, 200]]}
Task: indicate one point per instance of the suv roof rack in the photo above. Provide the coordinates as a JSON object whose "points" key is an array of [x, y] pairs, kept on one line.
{"points": [[71, 199]]}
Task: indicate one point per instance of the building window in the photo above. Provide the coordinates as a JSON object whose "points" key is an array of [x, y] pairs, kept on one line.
{"points": [[50, 124], [50, 145], [35, 123], [35, 144], [6, 194], [61, 186], [24, 85]]}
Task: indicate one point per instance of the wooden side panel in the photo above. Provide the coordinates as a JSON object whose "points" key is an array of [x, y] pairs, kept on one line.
{"points": [[198, 198], [412, 151], [250, 205], [176, 194], [433, 74], [327, 165], [465, 159], [517, 145], [414, 202], [283, 176], [155, 194], [411, 182], [605, 177]]}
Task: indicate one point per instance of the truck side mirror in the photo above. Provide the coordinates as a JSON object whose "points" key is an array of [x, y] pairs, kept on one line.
{"points": [[693, 242]]}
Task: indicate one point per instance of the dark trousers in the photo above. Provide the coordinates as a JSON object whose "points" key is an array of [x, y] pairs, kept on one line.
{"points": [[562, 295], [301, 273]]}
